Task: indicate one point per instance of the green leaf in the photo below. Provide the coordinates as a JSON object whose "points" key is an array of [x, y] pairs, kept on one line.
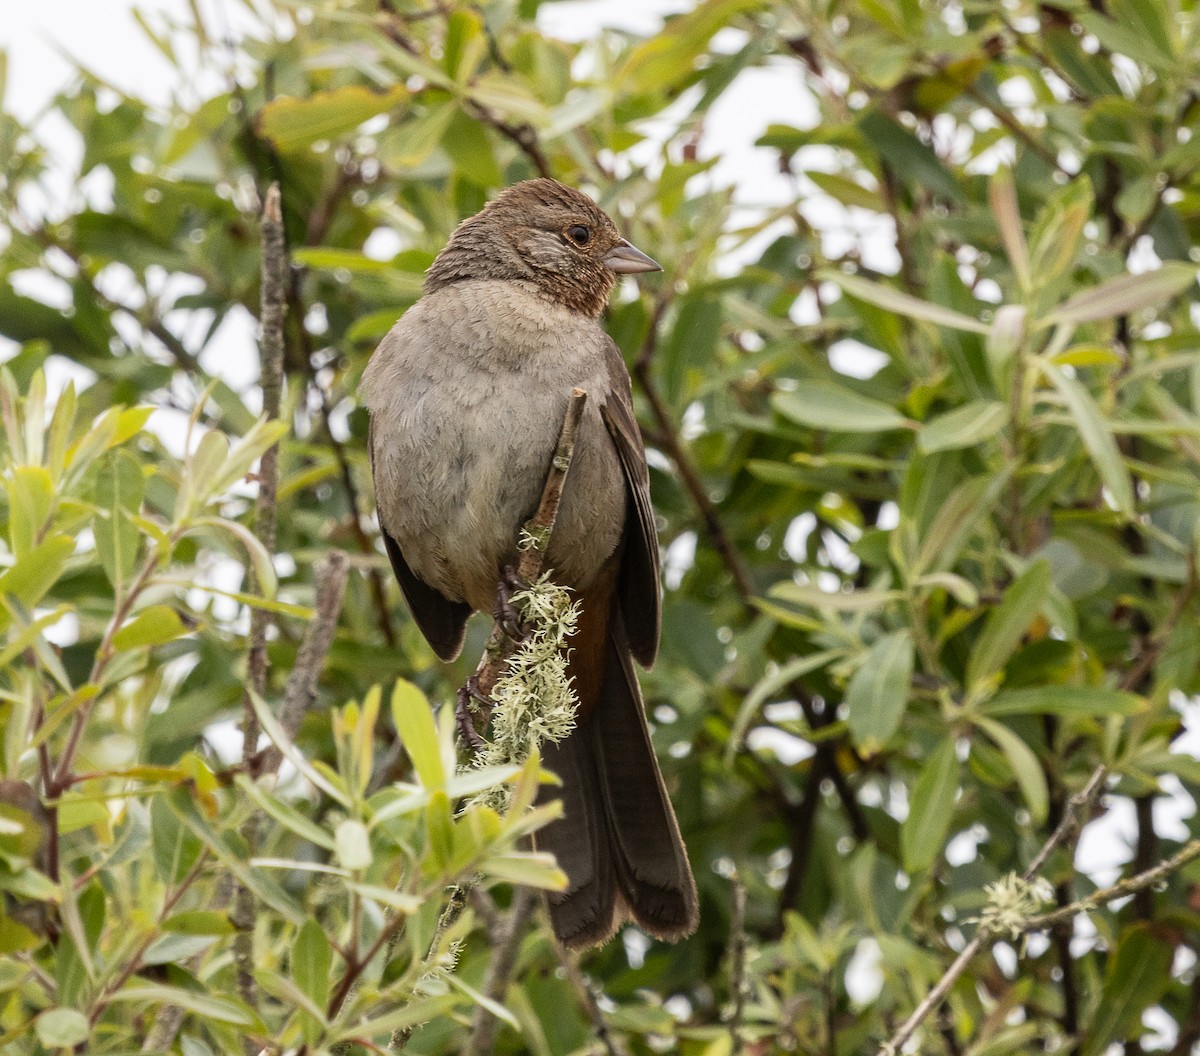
{"points": [[821, 404], [415, 140], [931, 808], [765, 688], [668, 57], [199, 922], [411, 1014], [878, 693], [175, 848], [1002, 197], [1065, 701], [285, 814], [119, 492], [964, 426], [1056, 232], [958, 516], [892, 300], [535, 869], [1025, 767], [62, 1028], [152, 626], [418, 733], [294, 124], [278, 737], [30, 501], [388, 896], [32, 576], [1096, 437], [493, 1007], [833, 600], [1137, 975], [1007, 623], [217, 1009], [908, 157], [353, 845], [1123, 295], [312, 960]]}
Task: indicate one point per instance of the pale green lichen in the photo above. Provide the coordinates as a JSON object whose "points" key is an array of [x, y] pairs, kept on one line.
{"points": [[535, 700], [1012, 901]]}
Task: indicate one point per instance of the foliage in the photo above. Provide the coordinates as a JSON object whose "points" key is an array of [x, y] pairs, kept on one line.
{"points": [[925, 603]]}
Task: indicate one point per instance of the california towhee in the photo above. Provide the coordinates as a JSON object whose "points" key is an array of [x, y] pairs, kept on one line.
{"points": [[467, 394]]}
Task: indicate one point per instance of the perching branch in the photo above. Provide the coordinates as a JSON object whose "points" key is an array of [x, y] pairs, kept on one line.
{"points": [[537, 531], [1076, 808]]}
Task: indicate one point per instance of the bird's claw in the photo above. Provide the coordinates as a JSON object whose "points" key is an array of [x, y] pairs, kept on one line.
{"points": [[505, 612], [464, 713]]}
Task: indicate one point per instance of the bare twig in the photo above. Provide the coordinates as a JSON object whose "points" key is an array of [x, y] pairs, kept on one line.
{"points": [[500, 970], [1076, 808], [737, 967], [301, 689], [586, 990], [272, 311], [1131, 885]]}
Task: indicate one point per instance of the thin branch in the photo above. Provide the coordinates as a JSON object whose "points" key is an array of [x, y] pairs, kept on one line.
{"points": [[1132, 885], [713, 525], [738, 986], [1075, 809], [586, 991], [500, 970], [271, 316], [301, 691], [272, 312]]}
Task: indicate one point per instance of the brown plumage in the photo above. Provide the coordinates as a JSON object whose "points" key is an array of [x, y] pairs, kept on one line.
{"points": [[466, 395]]}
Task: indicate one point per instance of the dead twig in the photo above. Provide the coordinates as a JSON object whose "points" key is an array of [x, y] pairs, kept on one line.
{"points": [[272, 310], [500, 970], [301, 690]]}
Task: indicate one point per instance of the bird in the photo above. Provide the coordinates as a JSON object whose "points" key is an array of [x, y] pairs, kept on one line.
{"points": [[466, 395]]}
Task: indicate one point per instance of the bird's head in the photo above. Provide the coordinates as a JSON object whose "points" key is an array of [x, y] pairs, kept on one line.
{"points": [[546, 234]]}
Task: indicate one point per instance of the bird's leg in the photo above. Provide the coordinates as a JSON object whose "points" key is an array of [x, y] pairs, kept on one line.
{"points": [[464, 716], [505, 612]]}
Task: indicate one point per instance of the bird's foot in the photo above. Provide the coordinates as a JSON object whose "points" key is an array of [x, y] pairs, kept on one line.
{"points": [[505, 612], [465, 712]]}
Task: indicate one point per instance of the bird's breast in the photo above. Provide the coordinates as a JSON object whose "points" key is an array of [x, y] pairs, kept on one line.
{"points": [[467, 397]]}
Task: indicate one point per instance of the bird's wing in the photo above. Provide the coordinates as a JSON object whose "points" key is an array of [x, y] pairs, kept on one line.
{"points": [[442, 621], [638, 587]]}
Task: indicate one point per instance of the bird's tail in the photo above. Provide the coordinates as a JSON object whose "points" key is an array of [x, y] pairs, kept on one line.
{"points": [[618, 840]]}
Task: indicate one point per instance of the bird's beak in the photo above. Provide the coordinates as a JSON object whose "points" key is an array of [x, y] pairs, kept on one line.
{"points": [[627, 259]]}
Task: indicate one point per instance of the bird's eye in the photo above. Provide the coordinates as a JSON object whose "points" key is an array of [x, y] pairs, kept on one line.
{"points": [[579, 234]]}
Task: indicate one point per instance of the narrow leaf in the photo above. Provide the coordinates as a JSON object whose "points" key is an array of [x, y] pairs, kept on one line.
{"points": [[878, 692], [893, 300], [1007, 623], [931, 808], [1096, 437]]}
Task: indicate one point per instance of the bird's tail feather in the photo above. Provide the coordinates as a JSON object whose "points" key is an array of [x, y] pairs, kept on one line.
{"points": [[618, 840]]}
